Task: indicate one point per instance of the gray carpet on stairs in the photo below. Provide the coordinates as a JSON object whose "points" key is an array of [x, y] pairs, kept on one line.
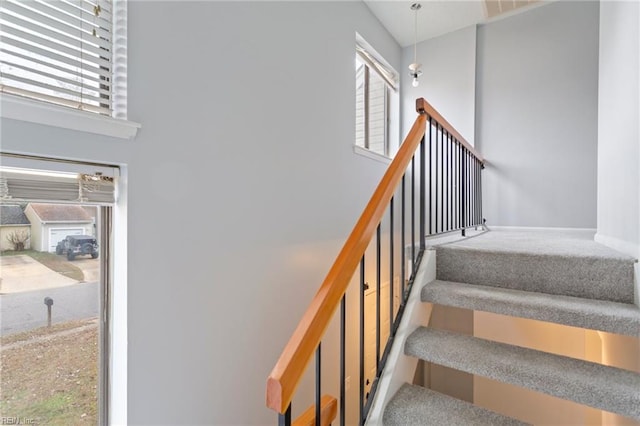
{"points": [[608, 388], [556, 277], [416, 406], [620, 318], [553, 263]]}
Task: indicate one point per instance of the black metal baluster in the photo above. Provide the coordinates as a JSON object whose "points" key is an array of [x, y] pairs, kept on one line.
{"points": [[413, 213], [459, 207], [445, 158], [285, 419], [467, 188], [422, 189], [451, 185], [403, 254], [475, 192], [470, 188], [378, 286], [454, 183], [464, 192], [442, 182], [362, 290], [391, 266], [430, 174], [479, 193], [318, 386], [343, 341], [436, 179], [480, 182], [469, 176]]}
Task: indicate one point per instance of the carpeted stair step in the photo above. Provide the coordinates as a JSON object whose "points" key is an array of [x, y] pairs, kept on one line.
{"points": [[579, 269], [415, 405], [599, 386], [613, 317]]}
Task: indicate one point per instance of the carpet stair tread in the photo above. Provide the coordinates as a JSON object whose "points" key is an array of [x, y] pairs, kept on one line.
{"points": [[570, 267], [415, 405], [613, 317], [599, 386]]}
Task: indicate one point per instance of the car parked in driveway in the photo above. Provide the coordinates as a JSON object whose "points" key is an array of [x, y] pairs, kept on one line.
{"points": [[76, 245]]}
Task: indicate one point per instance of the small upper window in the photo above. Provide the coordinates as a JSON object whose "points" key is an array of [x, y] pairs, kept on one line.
{"points": [[59, 52], [375, 81]]}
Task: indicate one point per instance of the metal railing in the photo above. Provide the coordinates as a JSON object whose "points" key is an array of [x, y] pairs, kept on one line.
{"points": [[415, 198]]}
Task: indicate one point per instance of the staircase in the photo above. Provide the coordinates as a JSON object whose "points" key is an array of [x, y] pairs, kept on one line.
{"points": [[559, 278]]}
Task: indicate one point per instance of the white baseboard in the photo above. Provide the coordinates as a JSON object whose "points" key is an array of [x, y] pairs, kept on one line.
{"points": [[585, 232], [622, 246]]}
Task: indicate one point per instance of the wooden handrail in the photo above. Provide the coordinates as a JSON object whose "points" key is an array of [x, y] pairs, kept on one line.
{"points": [[424, 107], [288, 371], [328, 413]]}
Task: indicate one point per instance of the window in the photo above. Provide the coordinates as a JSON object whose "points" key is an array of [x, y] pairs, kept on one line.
{"points": [[65, 54], [56, 290], [375, 84], [59, 52]]}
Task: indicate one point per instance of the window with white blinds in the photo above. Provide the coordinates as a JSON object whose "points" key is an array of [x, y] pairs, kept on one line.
{"points": [[374, 83], [59, 52], [31, 179]]}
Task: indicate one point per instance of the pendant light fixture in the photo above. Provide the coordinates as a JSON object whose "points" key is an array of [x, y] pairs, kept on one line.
{"points": [[414, 68]]}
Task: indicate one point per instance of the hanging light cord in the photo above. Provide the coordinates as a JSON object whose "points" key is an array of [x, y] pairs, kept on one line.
{"points": [[415, 36]]}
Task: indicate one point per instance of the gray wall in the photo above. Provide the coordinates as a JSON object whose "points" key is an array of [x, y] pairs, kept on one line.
{"points": [[448, 79], [618, 126], [242, 183], [536, 116]]}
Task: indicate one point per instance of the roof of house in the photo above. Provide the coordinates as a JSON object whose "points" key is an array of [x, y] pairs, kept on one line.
{"points": [[60, 213], [13, 215]]}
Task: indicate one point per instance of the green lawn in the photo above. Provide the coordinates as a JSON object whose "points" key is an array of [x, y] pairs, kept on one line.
{"points": [[50, 377]]}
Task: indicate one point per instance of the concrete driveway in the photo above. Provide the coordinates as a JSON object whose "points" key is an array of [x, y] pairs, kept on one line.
{"points": [[22, 273], [90, 268]]}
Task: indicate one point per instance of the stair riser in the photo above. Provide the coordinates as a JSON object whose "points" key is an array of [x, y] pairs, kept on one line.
{"points": [[591, 278]]}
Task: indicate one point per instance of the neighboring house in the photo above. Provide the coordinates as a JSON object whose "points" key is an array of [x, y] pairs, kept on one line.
{"points": [[51, 223], [13, 221]]}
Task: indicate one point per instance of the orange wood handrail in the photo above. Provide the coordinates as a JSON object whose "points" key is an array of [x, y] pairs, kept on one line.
{"points": [[286, 374], [424, 107], [328, 413]]}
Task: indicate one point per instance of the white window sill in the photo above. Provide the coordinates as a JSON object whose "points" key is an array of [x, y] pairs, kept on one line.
{"points": [[370, 154], [23, 109]]}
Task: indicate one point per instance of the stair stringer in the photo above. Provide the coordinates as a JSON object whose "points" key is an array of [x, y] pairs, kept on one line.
{"points": [[400, 368]]}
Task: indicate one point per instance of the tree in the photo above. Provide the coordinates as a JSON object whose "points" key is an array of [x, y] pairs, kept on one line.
{"points": [[18, 239]]}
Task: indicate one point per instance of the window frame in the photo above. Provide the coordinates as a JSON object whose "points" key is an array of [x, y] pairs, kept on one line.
{"points": [[367, 112], [115, 125], [372, 62], [112, 331], [38, 112]]}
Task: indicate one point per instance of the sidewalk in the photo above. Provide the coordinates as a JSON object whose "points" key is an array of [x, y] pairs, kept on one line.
{"points": [[22, 273]]}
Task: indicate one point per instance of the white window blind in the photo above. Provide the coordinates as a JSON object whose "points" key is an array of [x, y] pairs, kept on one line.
{"points": [[383, 70], [58, 51], [32, 179]]}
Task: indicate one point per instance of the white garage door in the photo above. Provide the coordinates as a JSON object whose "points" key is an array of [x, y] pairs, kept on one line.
{"points": [[58, 234]]}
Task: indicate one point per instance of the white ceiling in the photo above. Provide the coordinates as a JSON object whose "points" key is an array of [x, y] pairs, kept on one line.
{"points": [[436, 17]]}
